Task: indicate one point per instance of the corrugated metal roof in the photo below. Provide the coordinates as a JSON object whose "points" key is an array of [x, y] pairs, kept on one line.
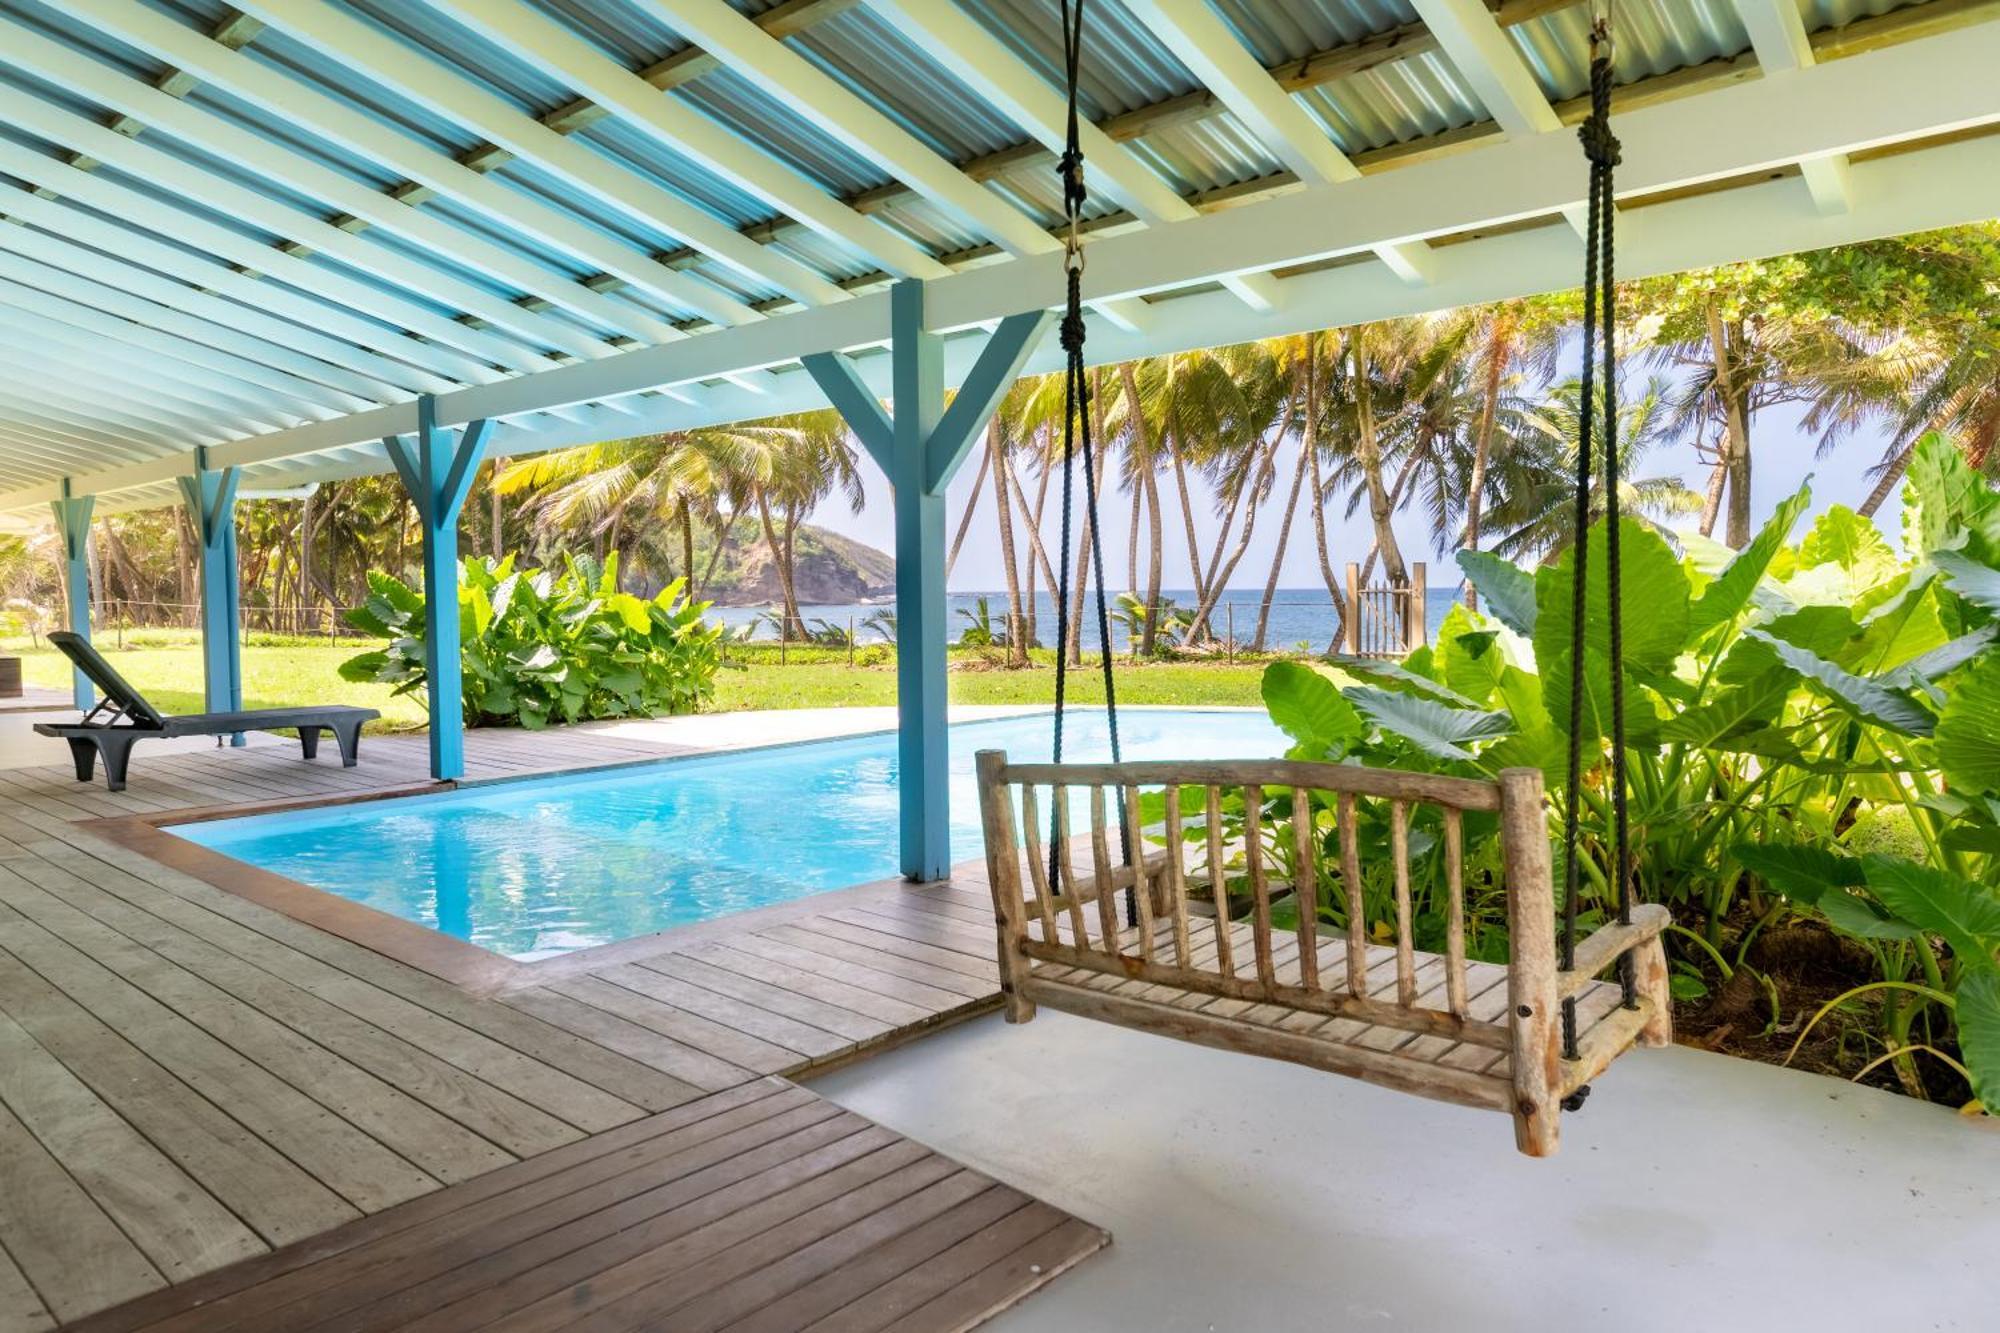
{"points": [[1126, 68]]}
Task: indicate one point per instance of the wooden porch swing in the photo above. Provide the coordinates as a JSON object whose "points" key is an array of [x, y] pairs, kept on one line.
{"points": [[1191, 960]]}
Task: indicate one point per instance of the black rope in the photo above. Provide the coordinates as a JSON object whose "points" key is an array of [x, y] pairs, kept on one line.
{"points": [[1600, 355], [1077, 431]]}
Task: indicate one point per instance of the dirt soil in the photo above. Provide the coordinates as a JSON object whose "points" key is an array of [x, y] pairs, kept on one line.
{"points": [[1808, 965]]}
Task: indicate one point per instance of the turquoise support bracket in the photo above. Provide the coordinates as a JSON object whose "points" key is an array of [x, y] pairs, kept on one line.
{"points": [[210, 495], [437, 471], [73, 525], [921, 446]]}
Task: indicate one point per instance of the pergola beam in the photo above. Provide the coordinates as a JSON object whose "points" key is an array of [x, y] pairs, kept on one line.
{"points": [[1486, 58], [1778, 36], [792, 79]]}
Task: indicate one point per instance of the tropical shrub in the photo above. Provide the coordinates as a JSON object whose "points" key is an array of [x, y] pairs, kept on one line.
{"points": [[1814, 731], [548, 645]]}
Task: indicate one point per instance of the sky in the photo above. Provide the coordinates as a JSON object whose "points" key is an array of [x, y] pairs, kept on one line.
{"points": [[1783, 456]]}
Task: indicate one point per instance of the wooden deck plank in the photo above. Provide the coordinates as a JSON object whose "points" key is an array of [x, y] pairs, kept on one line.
{"points": [[427, 1139], [1003, 1284], [259, 1184], [20, 1307], [649, 1008], [347, 1161], [690, 1067], [746, 978], [854, 967], [178, 1225], [887, 953], [785, 1034], [928, 1279], [75, 1255]]}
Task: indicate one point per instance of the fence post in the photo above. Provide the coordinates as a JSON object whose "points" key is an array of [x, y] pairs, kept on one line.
{"points": [[1353, 609], [1420, 608]]}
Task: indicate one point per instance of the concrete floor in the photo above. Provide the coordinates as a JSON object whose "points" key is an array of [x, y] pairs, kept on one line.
{"points": [[1696, 1193]]}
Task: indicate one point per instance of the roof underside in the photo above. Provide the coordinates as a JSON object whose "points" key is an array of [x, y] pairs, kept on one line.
{"points": [[263, 231]]}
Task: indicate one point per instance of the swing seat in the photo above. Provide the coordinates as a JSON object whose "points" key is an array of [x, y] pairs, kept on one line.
{"points": [[1437, 1025]]}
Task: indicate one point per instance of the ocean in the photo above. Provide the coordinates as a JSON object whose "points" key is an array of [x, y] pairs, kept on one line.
{"points": [[1298, 615]]}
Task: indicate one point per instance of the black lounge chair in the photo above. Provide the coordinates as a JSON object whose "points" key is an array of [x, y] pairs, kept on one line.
{"points": [[123, 717]]}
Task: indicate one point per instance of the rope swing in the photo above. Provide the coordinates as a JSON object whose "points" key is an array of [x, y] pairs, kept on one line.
{"points": [[1600, 358], [1076, 431]]}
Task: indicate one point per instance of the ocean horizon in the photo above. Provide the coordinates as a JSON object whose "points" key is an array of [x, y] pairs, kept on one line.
{"points": [[1298, 615]]}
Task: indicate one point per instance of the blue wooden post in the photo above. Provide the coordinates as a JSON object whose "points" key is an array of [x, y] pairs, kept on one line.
{"points": [[211, 502], [73, 525], [437, 472], [920, 448]]}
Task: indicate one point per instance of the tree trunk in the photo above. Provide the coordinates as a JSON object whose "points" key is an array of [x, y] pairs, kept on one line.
{"points": [[1187, 518], [965, 519], [496, 514], [1736, 420], [1003, 513], [1711, 505], [1278, 557], [687, 547], [1368, 452], [788, 612], [1148, 633], [1088, 533], [1220, 572], [1498, 349], [1332, 581]]}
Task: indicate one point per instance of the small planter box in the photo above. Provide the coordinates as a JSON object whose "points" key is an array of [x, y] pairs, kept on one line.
{"points": [[10, 677]]}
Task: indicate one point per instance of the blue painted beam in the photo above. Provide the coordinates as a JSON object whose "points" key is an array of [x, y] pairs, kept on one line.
{"points": [[73, 526], [437, 471], [920, 444], [210, 496]]}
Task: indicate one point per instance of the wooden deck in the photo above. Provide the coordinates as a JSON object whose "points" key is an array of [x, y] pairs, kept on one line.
{"points": [[192, 1082]]}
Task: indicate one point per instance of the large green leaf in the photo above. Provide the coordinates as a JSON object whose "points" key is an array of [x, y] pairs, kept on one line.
{"points": [[1535, 742], [1975, 582], [1942, 660], [1965, 914], [1468, 657], [1800, 871], [1653, 593], [1436, 729], [1726, 596], [1864, 698], [1855, 915], [1309, 708], [1944, 497], [1968, 731], [1508, 589], [1842, 537], [1978, 999], [1399, 677], [1733, 713]]}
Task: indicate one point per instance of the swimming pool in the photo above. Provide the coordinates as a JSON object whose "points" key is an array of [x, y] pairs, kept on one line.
{"points": [[541, 867]]}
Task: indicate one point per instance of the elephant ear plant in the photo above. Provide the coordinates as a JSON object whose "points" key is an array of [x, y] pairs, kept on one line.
{"points": [[548, 645], [1814, 727]]}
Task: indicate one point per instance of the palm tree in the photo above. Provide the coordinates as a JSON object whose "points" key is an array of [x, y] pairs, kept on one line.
{"points": [[1514, 340], [1533, 500]]}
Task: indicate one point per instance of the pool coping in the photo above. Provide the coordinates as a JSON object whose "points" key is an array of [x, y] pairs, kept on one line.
{"points": [[471, 967]]}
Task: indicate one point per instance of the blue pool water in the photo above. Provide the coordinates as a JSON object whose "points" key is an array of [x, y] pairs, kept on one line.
{"points": [[531, 869]]}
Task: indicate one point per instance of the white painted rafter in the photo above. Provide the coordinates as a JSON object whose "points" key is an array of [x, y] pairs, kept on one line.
{"points": [[190, 124], [119, 314], [1778, 35], [795, 81], [1487, 59], [674, 125], [1200, 39], [371, 138], [1017, 92], [374, 54], [191, 292], [344, 294]]}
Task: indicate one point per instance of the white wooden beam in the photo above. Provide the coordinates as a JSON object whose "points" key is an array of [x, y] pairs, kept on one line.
{"points": [[102, 340], [375, 54], [346, 295], [1487, 59], [833, 108], [559, 53], [191, 290], [70, 67], [118, 314], [1778, 35], [180, 179], [290, 100], [1202, 41]]}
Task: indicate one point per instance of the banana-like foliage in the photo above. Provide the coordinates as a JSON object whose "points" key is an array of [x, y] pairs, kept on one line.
{"points": [[554, 645]]}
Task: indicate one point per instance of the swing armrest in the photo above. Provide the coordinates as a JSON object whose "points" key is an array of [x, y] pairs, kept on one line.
{"points": [[1605, 945]]}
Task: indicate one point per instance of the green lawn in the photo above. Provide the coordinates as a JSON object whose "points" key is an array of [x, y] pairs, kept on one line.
{"points": [[277, 671]]}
